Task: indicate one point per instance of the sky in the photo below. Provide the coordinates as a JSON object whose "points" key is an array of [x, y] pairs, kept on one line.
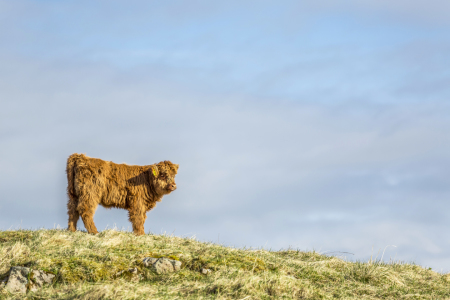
{"points": [[314, 125]]}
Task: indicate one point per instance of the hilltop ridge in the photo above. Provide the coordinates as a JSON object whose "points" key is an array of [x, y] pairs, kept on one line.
{"points": [[86, 267]]}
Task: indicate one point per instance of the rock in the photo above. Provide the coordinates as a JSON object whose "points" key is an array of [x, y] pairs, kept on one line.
{"points": [[162, 265], [205, 271], [176, 265], [39, 278], [148, 261], [18, 279]]}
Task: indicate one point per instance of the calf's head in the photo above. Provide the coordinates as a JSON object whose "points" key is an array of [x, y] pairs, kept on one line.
{"points": [[162, 176]]}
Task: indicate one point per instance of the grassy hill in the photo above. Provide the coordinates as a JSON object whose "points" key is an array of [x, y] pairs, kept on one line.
{"points": [[86, 266]]}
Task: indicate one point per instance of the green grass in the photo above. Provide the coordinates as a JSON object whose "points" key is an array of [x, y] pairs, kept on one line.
{"points": [[85, 267]]}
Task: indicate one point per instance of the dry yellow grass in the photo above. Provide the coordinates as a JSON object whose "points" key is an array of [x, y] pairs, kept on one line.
{"points": [[86, 264]]}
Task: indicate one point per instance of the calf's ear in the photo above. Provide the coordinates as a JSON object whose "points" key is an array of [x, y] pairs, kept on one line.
{"points": [[176, 167], [154, 170]]}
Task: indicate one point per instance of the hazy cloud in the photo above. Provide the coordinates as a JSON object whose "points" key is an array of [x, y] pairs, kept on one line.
{"points": [[325, 132]]}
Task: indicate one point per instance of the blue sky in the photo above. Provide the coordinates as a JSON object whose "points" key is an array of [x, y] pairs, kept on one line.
{"points": [[320, 125]]}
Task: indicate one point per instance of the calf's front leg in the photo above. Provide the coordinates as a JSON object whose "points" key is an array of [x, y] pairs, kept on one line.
{"points": [[137, 216]]}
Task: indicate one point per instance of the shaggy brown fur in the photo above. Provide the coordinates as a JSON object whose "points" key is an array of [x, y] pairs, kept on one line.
{"points": [[92, 181]]}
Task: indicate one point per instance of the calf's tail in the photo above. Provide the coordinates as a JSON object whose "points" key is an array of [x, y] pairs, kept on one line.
{"points": [[73, 197]]}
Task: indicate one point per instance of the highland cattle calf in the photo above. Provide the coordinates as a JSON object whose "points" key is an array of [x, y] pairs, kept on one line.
{"points": [[92, 181]]}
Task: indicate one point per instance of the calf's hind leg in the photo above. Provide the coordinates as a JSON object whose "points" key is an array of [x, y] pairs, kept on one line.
{"points": [[73, 214], [86, 208], [72, 211]]}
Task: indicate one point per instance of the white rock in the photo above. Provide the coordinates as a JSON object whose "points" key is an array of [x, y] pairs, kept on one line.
{"points": [[176, 265], [205, 271], [18, 279], [39, 278], [162, 265], [149, 261]]}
